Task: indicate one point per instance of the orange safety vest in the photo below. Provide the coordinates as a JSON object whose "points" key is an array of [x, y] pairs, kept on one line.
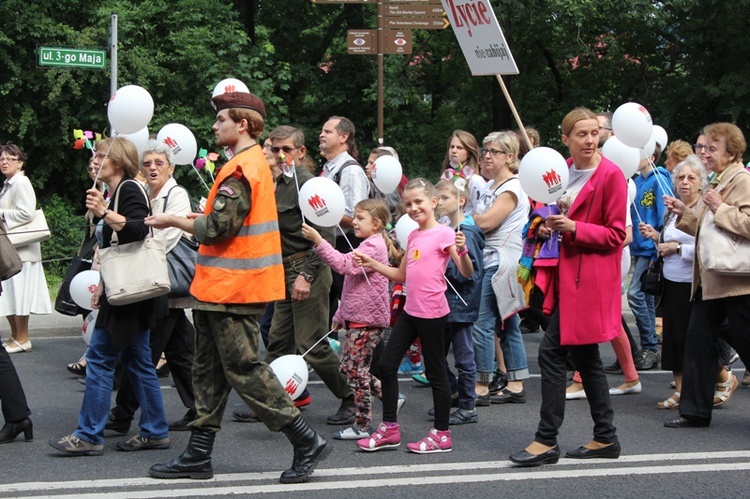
{"points": [[246, 268]]}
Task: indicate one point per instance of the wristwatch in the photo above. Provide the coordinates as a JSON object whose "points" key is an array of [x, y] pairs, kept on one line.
{"points": [[679, 249], [308, 277]]}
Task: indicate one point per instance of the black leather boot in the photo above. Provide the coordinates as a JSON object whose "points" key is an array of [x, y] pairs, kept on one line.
{"points": [[194, 462], [11, 430], [309, 449]]}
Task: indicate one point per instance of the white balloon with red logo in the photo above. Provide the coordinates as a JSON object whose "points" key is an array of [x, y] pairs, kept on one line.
{"points": [[404, 227], [229, 85], [83, 286], [138, 138], [181, 140], [543, 174], [88, 326], [632, 124], [386, 174], [625, 157], [291, 370], [322, 202], [130, 109]]}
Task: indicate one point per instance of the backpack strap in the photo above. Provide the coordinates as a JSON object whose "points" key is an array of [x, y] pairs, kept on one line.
{"points": [[337, 176]]}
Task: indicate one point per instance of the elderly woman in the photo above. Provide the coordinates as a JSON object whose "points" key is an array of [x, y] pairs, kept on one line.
{"points": [[716, 296], [588, 301], [120, 331], [174, 334], [501, 212], [677, 249], [25, 293]]}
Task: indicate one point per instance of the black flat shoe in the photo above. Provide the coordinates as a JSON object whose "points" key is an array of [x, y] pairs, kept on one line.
{"points": [[11, 430], [524, 458], [608, 452], [686, 422]]}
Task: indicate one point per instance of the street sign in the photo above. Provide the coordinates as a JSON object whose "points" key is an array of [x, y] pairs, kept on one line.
{"points": [[72, 58], [421, 2], [361, 41], [397, 41], [416, 22], [413, 10], [481, 39], [344, 1]]}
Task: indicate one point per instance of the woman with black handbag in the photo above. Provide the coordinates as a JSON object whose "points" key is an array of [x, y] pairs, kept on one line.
{"points": [[121, 331], [174, 334]]}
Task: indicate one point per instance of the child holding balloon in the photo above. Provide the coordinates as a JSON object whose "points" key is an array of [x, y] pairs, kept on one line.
{"points": [[365, 308], [423, 270]]}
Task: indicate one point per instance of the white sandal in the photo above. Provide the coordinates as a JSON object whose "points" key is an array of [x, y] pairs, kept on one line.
{"points": [[19, 347], [725, 390], [673, 402]]}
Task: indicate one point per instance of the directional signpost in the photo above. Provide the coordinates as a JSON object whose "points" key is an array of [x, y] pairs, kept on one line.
{"points": [[72, 58]]}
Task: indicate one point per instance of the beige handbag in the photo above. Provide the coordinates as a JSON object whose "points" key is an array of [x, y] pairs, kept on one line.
{"points": [[721, 251], [136, 271], [32, 232]]}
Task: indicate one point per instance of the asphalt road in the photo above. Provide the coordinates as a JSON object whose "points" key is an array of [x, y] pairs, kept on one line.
{"points": [[656, 461]]}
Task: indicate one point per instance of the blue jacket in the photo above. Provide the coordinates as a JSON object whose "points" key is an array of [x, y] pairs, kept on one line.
{"points": [[649, 203], [469, 289]]}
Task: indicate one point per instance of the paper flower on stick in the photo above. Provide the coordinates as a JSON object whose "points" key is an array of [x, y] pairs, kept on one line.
{"points": [[287, 165], [85, 139], [206, 161], [459, 176]]}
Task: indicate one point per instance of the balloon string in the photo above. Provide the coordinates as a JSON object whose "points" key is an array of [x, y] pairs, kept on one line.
{"points": [[352, 248], [201, 178], [296, 183], [455, 291], [316, 343], [662, 182]]}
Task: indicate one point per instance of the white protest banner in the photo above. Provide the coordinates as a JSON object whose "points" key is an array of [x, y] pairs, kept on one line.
{"points": [[481, 39]]}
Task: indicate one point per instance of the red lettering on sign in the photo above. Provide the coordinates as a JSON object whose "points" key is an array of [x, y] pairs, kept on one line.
{"points": [[469, 14]]}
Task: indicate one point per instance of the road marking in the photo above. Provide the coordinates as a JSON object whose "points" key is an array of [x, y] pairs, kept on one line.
{"points": [[503, 471]]}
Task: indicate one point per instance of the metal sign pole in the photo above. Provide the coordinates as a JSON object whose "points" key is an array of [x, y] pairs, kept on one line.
{"points": [[113, 53]]}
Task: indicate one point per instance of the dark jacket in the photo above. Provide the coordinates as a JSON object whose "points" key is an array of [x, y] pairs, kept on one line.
{"points": [[469, 289]]}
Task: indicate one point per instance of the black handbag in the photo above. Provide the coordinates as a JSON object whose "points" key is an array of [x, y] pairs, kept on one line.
{"points": [[652, 280], [64, 303], [181, 261], [10, 262]]}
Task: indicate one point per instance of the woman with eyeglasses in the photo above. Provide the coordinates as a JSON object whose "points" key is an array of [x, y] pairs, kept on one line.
{"points": [[463, 152], [501, 212], [25, 293]]}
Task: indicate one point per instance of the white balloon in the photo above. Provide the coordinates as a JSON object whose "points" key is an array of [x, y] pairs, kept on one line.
{"points": [[322, 201], [138, 138], [404, 227], [88, 326], [661, 136], [83, 286], [386, 174], [229, 85], [632, 191], [625, 157], [130, 109], [649, 148], [292, 373], [543, 174], [632, 124], [182, 142]]}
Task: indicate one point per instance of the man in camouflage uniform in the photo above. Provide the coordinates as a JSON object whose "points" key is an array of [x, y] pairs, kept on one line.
{"points": [[226, 349]]}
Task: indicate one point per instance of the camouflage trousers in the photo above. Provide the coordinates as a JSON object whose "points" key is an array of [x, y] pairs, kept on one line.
{"points": [[356, 357], [226, 358]]}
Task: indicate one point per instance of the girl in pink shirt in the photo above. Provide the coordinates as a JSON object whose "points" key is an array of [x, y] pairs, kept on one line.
{"points": [[424, 317]]}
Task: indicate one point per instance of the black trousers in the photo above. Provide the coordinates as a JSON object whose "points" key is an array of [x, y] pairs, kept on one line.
{"points": [[430, 334], [552, 362], [175, 336], [12, 397], [702, 348]]}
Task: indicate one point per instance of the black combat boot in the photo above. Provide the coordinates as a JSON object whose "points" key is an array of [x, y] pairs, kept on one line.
{"points": [[194, 462], [309, 449]]}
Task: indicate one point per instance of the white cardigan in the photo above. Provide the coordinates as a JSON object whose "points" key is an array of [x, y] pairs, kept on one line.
{"points": [[18, 207]]}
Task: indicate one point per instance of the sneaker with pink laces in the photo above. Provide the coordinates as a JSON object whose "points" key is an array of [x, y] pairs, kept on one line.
{"points": [[435, 441], [385, 437]]}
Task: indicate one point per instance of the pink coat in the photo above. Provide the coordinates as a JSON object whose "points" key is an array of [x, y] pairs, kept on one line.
{"points": [[360, 302], [589, 297]]}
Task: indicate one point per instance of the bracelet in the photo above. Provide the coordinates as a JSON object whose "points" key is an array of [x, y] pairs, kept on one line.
{"points": [[463, 252], [106, 212]]}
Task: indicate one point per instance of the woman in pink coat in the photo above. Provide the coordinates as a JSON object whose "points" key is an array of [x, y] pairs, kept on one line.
{"points": [[592, 223]]}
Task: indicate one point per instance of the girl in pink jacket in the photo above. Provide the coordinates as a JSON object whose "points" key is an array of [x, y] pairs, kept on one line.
{"points": [[364, 310]]}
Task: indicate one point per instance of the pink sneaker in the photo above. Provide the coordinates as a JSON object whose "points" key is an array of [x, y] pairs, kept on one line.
{"points": [[384, 437], [435, 441]]}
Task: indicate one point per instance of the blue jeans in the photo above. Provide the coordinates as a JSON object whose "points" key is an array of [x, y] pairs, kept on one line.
{"points": [[484, 328], [459, 334], [136, 359], [514, 351], [643, 306]]}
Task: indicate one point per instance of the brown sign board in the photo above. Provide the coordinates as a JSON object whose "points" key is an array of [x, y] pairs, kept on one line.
{"points": [[412, 10], [416, 22], [344, 1], [420, 2], [361, 41], [397, 41]]}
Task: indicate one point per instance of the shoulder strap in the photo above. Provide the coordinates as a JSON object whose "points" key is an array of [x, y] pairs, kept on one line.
{"points": [[116, 195], [166, 198], [337, 176]]}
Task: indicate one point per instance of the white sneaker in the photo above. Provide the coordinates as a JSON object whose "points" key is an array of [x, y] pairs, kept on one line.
{"points": [[351, 433]]}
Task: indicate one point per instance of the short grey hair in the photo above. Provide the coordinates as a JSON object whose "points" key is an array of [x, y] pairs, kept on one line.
{"points": [[159, 148], [694, 163]]}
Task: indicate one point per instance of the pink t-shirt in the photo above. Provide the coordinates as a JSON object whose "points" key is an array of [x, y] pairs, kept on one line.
{"points": [[426, 260]]}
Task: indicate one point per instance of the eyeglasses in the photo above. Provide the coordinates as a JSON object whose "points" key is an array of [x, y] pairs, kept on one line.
{"points": [[699, 147], [604, 128], [493, 152], [5, 159], [91, 169], [157, 163], [286, 149]]}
